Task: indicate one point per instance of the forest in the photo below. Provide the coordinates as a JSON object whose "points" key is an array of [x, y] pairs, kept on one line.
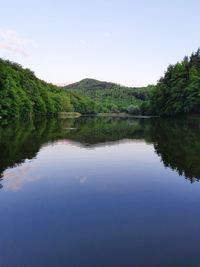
{"points": [[21, 93], [112, 97], [176, 93]]}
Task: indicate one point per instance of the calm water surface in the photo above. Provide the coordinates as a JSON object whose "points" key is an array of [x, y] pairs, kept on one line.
{"points": [[100, 192]]}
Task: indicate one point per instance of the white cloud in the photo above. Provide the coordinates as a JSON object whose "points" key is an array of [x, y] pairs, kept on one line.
{"points": [[14, 179], [12, 43], [84, 43]]}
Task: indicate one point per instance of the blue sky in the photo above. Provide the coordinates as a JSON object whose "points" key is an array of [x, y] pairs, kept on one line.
{"points": [[127, 42]]}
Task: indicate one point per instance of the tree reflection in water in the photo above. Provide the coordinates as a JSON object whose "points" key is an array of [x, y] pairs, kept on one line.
{"points": [[176, 141]]}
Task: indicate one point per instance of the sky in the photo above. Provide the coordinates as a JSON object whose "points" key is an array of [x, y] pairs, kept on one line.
{"points": [[128, 42]]}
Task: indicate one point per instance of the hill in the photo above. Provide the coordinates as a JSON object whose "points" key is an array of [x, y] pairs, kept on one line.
{"points": [[22, 93], [176, 93], [90, 84], [112, 97]]}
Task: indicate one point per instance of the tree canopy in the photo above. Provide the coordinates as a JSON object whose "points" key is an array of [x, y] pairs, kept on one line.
{"points": [[21, 93], [178, 91]]}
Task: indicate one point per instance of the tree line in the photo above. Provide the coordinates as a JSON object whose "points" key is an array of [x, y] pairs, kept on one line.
{"points": [[176, 93], [22, 93]]}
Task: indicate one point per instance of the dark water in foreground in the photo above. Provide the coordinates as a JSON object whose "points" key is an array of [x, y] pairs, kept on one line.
{"points": [[100, 192]]}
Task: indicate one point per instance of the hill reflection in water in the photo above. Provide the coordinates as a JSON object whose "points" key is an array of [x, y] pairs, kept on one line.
{"points": [[177, 142]]}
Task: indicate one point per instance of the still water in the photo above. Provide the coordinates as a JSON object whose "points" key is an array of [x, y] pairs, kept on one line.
{"points": [[100, 192]]}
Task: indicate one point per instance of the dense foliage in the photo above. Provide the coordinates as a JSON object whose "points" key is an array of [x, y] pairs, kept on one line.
{"points": [[110, 97], [21, 93], [178, 92], [84, 104]]}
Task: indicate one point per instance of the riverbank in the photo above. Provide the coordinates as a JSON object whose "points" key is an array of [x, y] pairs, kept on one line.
{"points": [[118, 115], [64, 115]]}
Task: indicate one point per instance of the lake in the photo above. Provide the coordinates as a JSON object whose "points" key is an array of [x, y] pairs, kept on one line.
{"points": [[100, 192]]}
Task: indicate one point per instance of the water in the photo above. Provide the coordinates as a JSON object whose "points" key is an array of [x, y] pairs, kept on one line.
{"points": [[100, 192]]}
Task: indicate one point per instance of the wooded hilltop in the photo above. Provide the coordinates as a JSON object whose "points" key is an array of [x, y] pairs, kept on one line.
{"points": [[176, 93]]}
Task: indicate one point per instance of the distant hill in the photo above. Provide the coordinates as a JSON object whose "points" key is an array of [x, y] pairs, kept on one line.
{"points": [[176, 93], [90, 84], [113, 97]]}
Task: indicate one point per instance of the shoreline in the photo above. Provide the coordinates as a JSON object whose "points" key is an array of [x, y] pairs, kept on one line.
{"points": [[119, 115]]}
